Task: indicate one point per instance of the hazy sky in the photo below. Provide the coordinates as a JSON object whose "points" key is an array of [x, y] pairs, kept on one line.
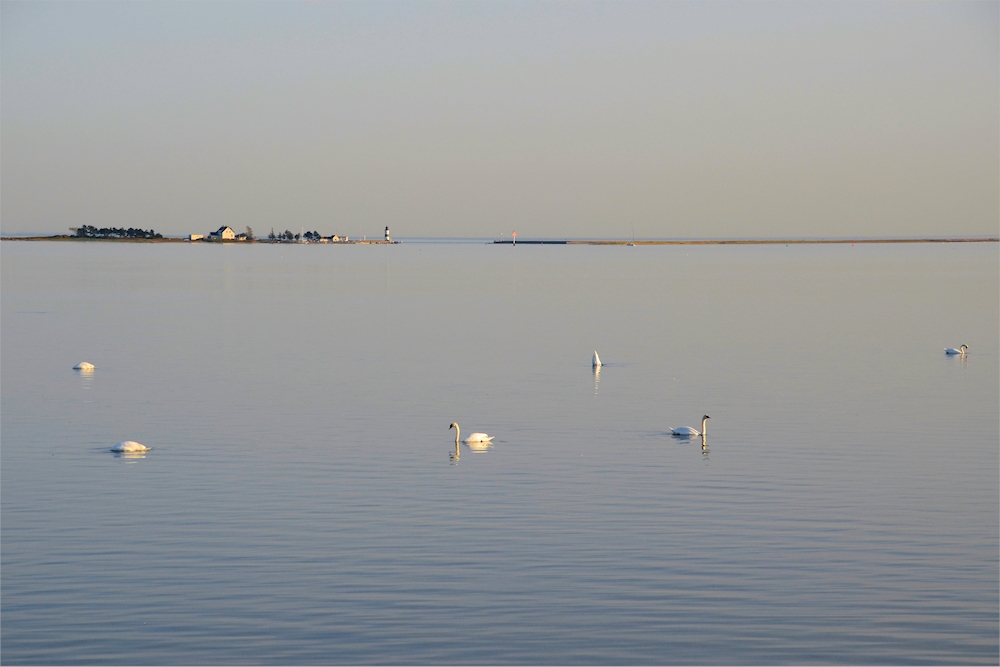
{"points": [[559, 119]]}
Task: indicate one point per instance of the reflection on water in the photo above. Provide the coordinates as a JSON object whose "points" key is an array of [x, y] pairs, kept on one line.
{"points": [[597, 378], [129, 455], [610, 542], [475, 447], [86, 377]]}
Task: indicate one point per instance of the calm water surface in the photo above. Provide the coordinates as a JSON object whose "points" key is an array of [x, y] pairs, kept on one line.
{"points": [[301, 505]]}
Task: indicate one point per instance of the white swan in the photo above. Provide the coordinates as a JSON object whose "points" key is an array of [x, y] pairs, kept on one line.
{"points": [[129, 446], [597, 360], [84, 366], [961, 350], [474, 438], [687, 431]]}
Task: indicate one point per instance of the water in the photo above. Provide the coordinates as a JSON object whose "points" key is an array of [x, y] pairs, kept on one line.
{"points": [[300, 504]]}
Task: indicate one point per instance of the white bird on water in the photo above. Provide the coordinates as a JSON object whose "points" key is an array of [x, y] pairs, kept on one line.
{"points": [[84, 366], [597, 360], [961, 350], [686, 431], [472, 439], [130, 446]]}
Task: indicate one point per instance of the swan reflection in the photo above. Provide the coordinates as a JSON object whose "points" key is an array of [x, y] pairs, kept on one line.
{"points": [[688, 438], [86, 374], [129, 455], [597, 378], [476, 448]]}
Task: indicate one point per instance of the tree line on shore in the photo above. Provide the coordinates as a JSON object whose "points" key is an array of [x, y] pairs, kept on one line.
{"points": [[288, 236], [92, 232]]}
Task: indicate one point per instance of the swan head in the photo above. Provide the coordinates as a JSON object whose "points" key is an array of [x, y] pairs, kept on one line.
{"points": [[964, 347], [453, 425], [705, 417]]}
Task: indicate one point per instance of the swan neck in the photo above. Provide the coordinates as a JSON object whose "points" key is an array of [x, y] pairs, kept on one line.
{"points": [[457, 432], [704, 423]]}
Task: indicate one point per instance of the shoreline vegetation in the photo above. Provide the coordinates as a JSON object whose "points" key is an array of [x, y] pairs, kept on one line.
{"points": [[150, 237]]}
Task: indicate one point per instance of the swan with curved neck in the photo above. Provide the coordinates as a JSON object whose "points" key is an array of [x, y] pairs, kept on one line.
{"points": [[961, 350], [473, 438], [688, 431]]}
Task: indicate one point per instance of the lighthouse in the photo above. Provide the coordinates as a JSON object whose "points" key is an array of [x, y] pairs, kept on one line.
{"points": [[387, 239]]}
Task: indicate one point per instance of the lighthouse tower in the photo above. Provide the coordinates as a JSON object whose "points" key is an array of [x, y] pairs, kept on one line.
{"points": [[387, 239]]}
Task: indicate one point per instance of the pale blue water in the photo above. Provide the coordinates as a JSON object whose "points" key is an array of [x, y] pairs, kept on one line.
{"points": [[300, 506]]}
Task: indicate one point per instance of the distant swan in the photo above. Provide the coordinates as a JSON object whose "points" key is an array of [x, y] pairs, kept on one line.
{"points": [[597, 360], [84, 366], [688, 431], [961, 350], [129, 446], [475, 437]]}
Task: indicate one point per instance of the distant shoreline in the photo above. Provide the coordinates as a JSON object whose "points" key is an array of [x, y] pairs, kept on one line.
{"points": [[622, 242], [85, 239], [98, 240]]}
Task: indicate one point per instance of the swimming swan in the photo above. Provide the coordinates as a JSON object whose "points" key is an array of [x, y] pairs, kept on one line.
{"points": [[688, 431], [129, 446], [597, 360], [84, 366], [475, 437], [961, 350]]}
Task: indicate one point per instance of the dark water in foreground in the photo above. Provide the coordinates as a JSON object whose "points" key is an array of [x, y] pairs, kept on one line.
{"points": [[300, 505]]}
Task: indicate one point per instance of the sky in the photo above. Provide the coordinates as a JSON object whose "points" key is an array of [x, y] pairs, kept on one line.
{"points": [[475, 119]]}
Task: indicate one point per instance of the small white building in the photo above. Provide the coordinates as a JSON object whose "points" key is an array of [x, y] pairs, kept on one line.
{"points": [[224, 233], [196, 237]]}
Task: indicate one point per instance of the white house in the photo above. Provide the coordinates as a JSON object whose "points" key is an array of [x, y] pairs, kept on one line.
{"points": [[224, 233], [196, 237]]}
